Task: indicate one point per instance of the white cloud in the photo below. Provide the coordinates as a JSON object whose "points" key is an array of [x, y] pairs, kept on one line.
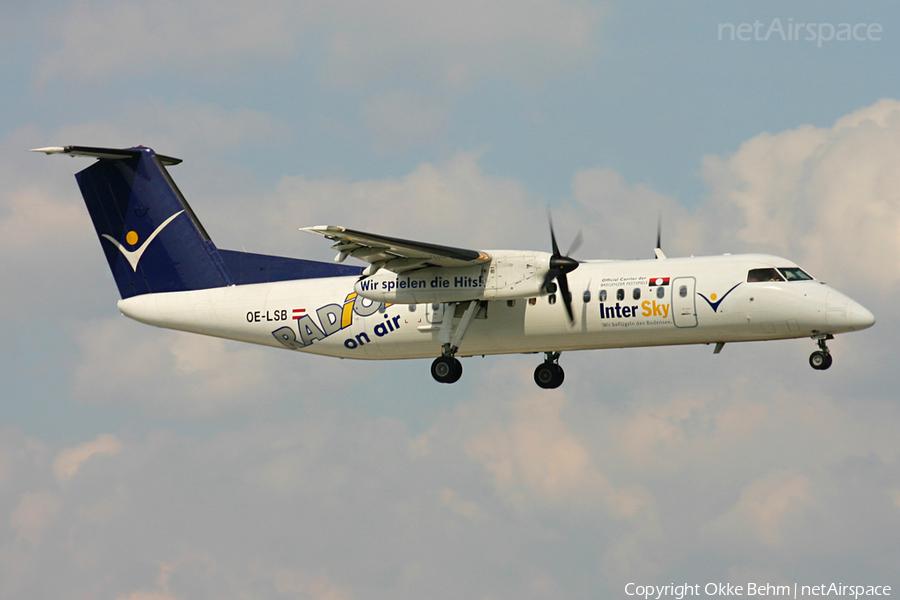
{"points": [[70, 460], [34, 515], [39, 234], [826, 197], [537, 458], [362, 517], [770, 509], [149, 596], [453, 203], [295, 581], [458, 506], [166, 373], [620, 220], [335, 505]]}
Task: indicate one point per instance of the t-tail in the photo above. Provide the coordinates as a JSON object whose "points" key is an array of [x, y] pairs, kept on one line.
{"points": [[152, 239]]}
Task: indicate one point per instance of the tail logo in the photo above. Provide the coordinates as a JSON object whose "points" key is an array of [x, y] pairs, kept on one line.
{"points": [[134, 256]]}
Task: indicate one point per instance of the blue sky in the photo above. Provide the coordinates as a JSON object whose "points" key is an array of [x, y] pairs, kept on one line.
{"points": [[140, 464]]}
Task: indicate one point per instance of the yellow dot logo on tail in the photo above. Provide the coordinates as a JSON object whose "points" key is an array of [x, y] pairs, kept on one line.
{"points": [[713, 297], [131, 238]]}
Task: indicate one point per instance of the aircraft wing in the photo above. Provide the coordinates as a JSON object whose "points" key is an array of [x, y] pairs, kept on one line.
{"points": [[394, 254]]}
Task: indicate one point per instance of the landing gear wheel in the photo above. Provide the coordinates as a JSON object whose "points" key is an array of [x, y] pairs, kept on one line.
{"points": [[446, 369], [820, 360], [549, 375]]}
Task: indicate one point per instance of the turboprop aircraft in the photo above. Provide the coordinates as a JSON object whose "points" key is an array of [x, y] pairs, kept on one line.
{"points": [[422, 300]]}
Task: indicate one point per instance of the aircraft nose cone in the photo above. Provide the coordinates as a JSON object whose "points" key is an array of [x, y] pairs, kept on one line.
{"points": [[859, 317]]}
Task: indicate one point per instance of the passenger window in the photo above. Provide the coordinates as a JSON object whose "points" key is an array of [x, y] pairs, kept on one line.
{"points": [[682, 291], [602, 295], [636, 294], [660, 292], [511, 303], [587, 296], [620, 294], [794, 274], [759, 275], [412, 308]]}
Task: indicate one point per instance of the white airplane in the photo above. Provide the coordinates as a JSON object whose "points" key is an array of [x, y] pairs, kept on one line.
{"points": [[419, 300]]}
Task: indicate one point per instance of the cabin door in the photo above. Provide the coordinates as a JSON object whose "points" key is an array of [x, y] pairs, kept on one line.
{"points": [[434, 312], [684, 304]]}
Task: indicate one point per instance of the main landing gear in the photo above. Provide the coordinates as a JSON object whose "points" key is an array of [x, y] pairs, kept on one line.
{"points": [[446, 368], [549, 375], [821, 359]]}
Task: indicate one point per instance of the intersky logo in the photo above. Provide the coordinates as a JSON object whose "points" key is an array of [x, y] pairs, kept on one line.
{"points": [[713, 303], [131, 238]]}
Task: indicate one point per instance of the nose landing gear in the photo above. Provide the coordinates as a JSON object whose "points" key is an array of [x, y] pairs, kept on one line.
{"points": [[549, 374], [821, 359]]}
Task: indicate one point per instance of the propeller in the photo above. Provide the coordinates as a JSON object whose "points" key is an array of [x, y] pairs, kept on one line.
{"points": [[560, 265], [658, 250]]}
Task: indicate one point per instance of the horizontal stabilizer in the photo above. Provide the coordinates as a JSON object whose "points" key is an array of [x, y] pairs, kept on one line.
{"points": [[104, 153]]}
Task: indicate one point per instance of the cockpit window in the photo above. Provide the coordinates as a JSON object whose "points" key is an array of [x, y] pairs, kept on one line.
{"points": [[757, 275], [794, 274]]}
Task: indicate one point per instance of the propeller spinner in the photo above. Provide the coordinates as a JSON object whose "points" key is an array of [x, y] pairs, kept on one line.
{"points": [[560, 266]]}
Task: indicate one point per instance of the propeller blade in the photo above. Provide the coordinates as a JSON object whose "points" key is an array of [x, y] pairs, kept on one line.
{"points": [[566, 296], [552, 235], [560, 265], [548, 279], [576, 244]]}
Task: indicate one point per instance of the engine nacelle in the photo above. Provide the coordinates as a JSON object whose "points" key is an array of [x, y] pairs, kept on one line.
{"points": [[507, 276]]}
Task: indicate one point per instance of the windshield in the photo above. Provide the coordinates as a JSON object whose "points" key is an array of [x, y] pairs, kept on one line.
{"points": [[794, 274], [757, 275]]}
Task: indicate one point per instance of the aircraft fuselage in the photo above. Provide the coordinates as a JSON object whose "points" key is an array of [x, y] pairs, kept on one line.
{"points": [[616, 304]]}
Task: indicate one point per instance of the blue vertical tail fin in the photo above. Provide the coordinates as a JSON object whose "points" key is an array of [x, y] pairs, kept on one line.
{"points": [[151, 237]]}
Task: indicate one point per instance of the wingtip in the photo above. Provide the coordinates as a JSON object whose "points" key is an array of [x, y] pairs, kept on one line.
{"points": [[49, 150], [323, 229]]}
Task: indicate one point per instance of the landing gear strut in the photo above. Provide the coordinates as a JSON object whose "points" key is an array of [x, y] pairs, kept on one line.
{"points": [[821, 359], [446, 368], [549, 374]]}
